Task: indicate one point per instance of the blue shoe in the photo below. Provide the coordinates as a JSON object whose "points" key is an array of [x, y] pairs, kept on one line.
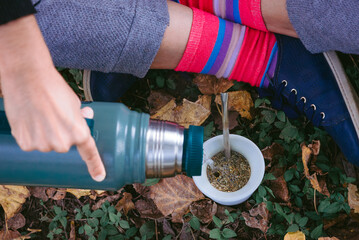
{"points": [[106, 87], [307, 83]]}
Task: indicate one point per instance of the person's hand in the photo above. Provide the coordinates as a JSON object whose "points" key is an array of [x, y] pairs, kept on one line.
{"points": [[43, 112]]}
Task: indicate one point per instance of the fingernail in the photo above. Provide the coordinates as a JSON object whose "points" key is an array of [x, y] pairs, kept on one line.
{"points": [[99, 178]]}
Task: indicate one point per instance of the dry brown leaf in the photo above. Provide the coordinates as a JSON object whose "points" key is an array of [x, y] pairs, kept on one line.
{"points": [[16, 222], [78, 193], [240, 101], [315, 146], [126, 204], [280, 188], [110, 199], [232, 120], [257, 217], [209, 84], [328, 238], [148, 209], [39, 192], [12, 198], [158, 99], [320, 187], [175, 195], [56, 193], [204, 210], [9, 235], [272, 151], [140, 189], [298, 235], [205, 101], [353, 197], [306, 155], [72, 231], [189, 113]]}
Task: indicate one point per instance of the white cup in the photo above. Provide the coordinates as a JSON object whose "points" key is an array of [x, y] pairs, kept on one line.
{"points": [[254, 157]]}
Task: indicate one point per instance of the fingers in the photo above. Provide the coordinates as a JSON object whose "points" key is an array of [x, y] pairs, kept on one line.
{"points": [[89, 153]]}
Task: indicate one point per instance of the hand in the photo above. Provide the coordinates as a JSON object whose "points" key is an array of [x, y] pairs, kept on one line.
{"points": [[43, 111]]}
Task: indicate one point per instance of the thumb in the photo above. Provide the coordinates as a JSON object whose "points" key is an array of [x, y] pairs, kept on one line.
{"points": [[87, 112]]}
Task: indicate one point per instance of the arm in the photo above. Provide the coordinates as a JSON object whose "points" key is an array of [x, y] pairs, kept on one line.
{"points": [[43, 112]]}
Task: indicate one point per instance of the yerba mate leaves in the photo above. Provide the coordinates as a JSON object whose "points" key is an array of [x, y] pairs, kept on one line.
{"points": [[175, 195]]}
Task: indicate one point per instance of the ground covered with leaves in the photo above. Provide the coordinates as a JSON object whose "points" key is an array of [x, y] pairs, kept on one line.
{"points": [[308, 191]]}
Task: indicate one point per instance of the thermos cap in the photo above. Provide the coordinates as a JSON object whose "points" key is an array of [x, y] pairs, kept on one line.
{"points": [[192, 151]]}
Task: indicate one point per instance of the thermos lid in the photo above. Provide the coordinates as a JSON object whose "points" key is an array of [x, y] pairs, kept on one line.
{"points": [[192, 151]]}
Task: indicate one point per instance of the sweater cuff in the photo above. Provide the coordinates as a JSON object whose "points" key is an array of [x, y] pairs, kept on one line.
{"points": [[14, 9]]}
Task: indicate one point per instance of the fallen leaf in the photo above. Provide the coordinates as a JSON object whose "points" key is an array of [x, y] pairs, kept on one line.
{"points": [[12, 198], [185, 233], [257, 217], [205, 101], [148, 209], [126, 204], [204, 210], [9, 235], [16, 222], [209, 84], [140, 189], [270, 152], [315, 146], [353, 197], [78, 193], [72, 231], [109, 199], [158, 99], [232, 120], [280, 189], [39, 192], [240, 101], [328, 238], [56, 193], [306, 155], [175, 195], [167, 229], [298, 235], [189, 113]]}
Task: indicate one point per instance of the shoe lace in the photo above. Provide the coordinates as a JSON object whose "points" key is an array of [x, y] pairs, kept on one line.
{"points": [[293, 105]]}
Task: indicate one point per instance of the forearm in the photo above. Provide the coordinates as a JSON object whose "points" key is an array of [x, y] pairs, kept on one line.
{"points": [[22, 47]]}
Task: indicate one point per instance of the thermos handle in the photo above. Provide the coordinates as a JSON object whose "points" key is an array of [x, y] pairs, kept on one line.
{"points": [[5, 127]]}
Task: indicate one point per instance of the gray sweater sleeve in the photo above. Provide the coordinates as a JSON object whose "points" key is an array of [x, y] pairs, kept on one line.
{"points": [[324, 25]]}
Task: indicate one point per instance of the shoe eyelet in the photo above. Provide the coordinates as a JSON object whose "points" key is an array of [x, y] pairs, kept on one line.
{"points": [[294, 90], [285, 83], [313, 106], [304, 99], [323, 115]]}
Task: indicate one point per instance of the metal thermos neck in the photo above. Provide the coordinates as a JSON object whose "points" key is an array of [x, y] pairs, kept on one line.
{"points": [[164, 149]]}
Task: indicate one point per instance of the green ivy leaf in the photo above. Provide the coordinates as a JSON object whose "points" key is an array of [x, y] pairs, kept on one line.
{"points": [[333, 208], [113, 217], [317, 232], [111, 230], [269, 116], [195, 223], [131, 232], [262, 191], [288, 175], [160, 81], [168, 237], [124, 224], [148, 229], [63, 222], [81, 230], [228, 233], [57, 210], [78, 216], [57, 231], [281, 116], [217, 221], [97, 213], [303, 221], [269, 176], [171, 84], [293, 228], [88, 229], [215, 234]]}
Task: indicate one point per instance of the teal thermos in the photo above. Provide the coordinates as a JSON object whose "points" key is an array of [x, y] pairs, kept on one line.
{"points": [[132, 146]]}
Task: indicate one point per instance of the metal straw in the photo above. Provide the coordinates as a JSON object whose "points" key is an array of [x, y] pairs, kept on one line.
{"points": [[226, 145]]}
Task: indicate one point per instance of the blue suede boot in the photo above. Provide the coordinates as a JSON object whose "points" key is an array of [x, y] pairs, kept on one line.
{"points": [[106, 87], [305, 83]]}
